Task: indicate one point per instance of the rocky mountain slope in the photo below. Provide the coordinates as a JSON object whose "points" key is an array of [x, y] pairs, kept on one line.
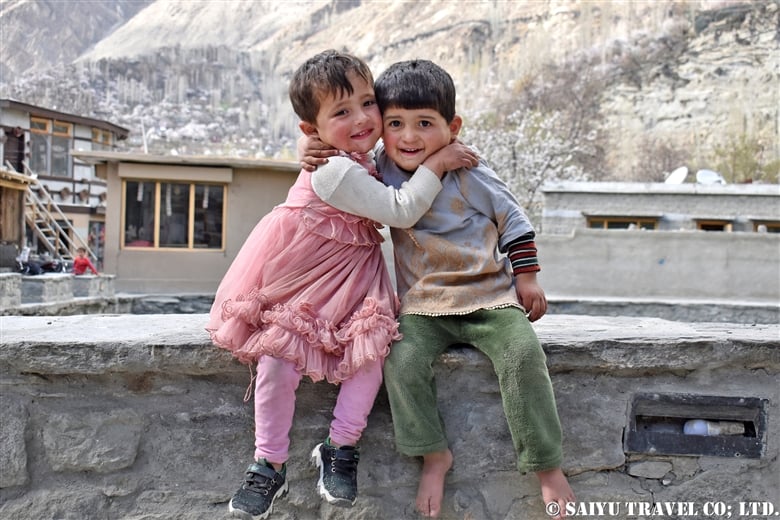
{"points": [[211, 76]]}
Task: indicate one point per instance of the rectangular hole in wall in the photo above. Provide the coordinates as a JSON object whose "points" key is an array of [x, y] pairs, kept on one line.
{"points": [[686, 424]]}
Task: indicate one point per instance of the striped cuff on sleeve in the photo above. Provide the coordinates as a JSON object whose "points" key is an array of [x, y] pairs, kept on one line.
{"points": [[522, 254]]}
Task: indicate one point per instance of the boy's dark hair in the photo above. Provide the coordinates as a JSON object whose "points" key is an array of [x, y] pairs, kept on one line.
{"points": [[416, 84], [323, 74]]}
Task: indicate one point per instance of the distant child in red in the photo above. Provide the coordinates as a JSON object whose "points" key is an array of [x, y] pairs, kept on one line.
{"points": [[81, 263]]}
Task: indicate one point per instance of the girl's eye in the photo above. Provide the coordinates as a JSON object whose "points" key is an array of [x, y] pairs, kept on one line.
{"points": [[340, 113], [369, 103]]}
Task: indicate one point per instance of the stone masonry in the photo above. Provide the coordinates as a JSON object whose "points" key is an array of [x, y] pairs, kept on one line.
{"points": [[138, 417]]}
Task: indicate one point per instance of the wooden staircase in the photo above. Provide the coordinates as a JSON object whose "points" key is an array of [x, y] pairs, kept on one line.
{"points": [[44, 217]]}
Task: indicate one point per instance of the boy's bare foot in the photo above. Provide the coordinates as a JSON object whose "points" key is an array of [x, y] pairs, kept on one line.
{"points": [[430, 493], [556, 492]]}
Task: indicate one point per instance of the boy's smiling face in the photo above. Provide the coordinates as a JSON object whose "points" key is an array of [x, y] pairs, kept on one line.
{"points": [[348, 122], [411, 135]]}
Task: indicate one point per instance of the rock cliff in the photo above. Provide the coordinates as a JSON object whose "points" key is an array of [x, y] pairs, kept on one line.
{"points": [[210, 77]]}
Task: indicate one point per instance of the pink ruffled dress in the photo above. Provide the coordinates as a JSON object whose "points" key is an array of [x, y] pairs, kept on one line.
{"points": [[309, 285]]}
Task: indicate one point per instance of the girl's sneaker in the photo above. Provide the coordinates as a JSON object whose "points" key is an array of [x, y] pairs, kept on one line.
{"points": [[262, 484], [338, 473]]}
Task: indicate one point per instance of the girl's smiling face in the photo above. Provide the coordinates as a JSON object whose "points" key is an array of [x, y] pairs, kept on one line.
{"points": [[348, 122]]}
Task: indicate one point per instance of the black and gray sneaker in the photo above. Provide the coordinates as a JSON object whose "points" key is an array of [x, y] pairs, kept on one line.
{"points": [[254, 500], [338, 473]]}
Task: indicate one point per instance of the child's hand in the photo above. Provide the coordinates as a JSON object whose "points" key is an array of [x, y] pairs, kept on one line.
{"points": [[312, 152], [531, 295], [451, 157]]}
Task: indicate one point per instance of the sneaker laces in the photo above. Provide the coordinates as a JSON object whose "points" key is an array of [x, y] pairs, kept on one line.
{"points": [[258, 481], [344, 461]]}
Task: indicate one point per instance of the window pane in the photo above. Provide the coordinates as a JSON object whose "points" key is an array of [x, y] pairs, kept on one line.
{"points": [[613, 224], [174, 212], [61, 128], [101, 139], [96, 240], [39, 124], [208, 216], [39, 158], [596, 224], [712, 227], [139, 214], [60, 163]]}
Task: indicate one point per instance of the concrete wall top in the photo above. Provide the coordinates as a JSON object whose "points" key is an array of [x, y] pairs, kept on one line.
{"points": [[140, 343], [661, 188]]}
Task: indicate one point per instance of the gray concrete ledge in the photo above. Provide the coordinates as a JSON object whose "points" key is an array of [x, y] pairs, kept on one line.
{"points": [[139, 417], [682, 310]]}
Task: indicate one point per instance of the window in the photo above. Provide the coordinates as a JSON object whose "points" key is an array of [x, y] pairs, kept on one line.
{"points": [[713, 225], [96, 240], [766, 226], [101, 139], [623, 222], [176, 215], [208, 216], [50, 145], [139, 214]]}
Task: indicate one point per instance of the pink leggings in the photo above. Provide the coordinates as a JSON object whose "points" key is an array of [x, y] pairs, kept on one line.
{"points": [[277, 381]]}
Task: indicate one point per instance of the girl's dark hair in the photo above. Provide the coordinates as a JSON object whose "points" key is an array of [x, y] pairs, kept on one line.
{"points": [[416, 84], [323, 74]]}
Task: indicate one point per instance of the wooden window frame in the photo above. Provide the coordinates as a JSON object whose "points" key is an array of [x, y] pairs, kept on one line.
{"points": [[703, 223], [191, 246], [645, 223], [772, 226]]}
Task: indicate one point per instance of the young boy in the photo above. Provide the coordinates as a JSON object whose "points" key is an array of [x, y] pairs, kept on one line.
{"points": [[81, 263], [455, 287]]}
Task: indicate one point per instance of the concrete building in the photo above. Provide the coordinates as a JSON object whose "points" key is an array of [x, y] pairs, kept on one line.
{"points": [[175, 223], [64, 199], [658, 241], [569, 206]]}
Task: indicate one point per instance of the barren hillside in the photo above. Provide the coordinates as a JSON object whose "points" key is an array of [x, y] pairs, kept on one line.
{"points": [[211, 76]]}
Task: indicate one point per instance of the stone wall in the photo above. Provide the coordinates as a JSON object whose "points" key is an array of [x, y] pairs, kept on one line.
{"points": [[51, 290], [10, 290], [138, 417]]}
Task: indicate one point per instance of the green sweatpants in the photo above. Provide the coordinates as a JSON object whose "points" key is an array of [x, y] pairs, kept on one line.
{"points": [[505, 335]]}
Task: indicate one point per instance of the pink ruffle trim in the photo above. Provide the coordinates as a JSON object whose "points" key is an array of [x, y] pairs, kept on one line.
{"points": [[341, 226], [321, 350]]}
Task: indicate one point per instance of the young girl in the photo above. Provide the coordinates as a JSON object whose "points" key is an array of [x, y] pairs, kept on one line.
{"points": [[309, 292]]}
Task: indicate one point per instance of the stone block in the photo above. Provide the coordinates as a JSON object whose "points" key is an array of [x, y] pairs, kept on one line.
{"points": [[47, 288], [10, 290], [13, 451], [93, 286], [650, 469], [99, 441]]}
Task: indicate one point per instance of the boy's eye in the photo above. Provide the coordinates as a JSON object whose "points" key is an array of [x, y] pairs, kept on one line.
{"points": [[369, 103], [425, 124], [393, 124], [340, 113]]}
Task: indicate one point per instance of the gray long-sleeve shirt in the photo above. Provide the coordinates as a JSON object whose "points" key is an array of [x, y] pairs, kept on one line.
{"points": [[451, 261]]}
